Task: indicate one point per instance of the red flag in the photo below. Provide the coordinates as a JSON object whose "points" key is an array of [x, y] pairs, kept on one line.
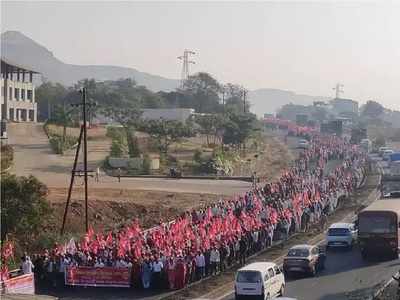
{"points": [[109, 239]]}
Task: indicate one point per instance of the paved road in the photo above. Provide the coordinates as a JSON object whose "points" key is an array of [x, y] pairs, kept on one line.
{"points": [[346, 276]]}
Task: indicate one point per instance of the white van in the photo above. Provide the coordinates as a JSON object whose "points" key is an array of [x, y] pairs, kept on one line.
{"points": [[263, 279]]}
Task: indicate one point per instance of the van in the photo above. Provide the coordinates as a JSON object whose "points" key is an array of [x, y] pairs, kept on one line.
{"points": [[261, 280]]}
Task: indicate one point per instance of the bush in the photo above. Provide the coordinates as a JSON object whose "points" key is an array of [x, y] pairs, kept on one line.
{"points": [[146, 164], [115, 133], [7, 157], [197, 156], [116, 149], [57, 144]]}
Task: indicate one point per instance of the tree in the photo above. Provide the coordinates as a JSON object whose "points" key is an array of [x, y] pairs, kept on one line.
{"points": [[234, 101], [238, 128], [24, 208], [211, 126], [372, 110], [48, 95], [166, 132], [128, 115], [63, 117], [202, 93]]}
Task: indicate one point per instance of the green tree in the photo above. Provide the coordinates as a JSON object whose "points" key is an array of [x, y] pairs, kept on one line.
{"points": [[47, 96], [202, 91], [211, 126], [234, 98], [238, 128], [128, 116], [63, 117], [166, 132], [24, 208], [372, 109]]}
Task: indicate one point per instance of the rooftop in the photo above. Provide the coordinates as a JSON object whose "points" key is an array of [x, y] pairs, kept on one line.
{"points": [[15, 66]]}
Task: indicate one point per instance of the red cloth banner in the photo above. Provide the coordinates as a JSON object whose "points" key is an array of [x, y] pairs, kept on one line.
{"points": [[24, 284], [105, 277]]}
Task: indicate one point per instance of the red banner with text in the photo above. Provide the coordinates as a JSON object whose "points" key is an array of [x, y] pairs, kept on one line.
{"points": [[24, 284], [106, 277]]}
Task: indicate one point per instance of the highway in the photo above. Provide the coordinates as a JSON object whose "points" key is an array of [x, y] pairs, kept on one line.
{"points": [[346, 276]]}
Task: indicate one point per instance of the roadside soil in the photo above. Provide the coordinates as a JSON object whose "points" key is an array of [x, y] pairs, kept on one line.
{"points": [[110, 208], [214, 287]]}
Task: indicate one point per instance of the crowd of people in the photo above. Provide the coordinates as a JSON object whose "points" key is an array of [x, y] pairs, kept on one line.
{"points": [[206, 241]]}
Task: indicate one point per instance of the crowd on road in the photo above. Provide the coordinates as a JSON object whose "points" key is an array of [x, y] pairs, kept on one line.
{"points": [[206, 241]]}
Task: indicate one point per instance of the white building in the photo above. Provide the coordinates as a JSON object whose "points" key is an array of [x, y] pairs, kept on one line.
{"points": [[17, 93]]}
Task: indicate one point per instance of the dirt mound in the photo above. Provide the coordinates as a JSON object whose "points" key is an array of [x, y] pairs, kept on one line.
{"points": [[110, 208]]}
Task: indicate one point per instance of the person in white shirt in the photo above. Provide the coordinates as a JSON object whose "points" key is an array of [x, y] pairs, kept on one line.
{"points": [[214, 260], [200, 265], [27, 266], [99, 264], [157, 267]]}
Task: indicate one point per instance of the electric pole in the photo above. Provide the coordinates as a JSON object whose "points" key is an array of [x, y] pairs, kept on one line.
{"points": [[185, 58], [244, 99], [82, 135]]}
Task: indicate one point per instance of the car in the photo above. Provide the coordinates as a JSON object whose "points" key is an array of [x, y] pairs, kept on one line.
{"points": [[303, 144], [341, 235], [382, 150], [304, 258], [263, 280], [386, 154]]}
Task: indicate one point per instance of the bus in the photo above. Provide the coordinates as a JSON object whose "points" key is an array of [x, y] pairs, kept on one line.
{"points": [[378, 228]]}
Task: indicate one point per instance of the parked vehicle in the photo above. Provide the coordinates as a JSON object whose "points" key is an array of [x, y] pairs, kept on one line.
{"points": [[378, 228], [303, 144], [263, 280], [304, 258], [341, 235], [386, 154], [382, 150]]}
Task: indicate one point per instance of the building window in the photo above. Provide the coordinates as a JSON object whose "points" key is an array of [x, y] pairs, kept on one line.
{"points": [[16, 94], [29, 95], [10, 93], [22, 94]]}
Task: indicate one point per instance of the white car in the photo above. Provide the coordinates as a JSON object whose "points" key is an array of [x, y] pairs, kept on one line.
{"points": [[303, 144], [341, 235], [262, 279], [382, 150]]}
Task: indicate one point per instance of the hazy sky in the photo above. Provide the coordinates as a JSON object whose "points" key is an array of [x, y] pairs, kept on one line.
{"points": [[302, 47]]}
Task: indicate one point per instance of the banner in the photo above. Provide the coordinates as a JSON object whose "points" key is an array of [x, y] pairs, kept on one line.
{"points": [[24, 284], [104, 277]]}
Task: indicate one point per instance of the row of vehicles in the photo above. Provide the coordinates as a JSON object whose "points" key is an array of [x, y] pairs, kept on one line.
{"points": [[376, 230], [266, 280]]}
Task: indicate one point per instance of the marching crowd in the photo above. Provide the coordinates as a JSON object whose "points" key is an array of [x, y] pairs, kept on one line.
{"points": [[204, 242]]}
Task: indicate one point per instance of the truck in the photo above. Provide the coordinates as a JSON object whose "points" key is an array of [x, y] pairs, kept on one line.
{"points": [[378, 229]]}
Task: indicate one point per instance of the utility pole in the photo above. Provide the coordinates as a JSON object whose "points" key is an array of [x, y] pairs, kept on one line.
{"points": [[82, 134], [185, 64], [244, 100]]}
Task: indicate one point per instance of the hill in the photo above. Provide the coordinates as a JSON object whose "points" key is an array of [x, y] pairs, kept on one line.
{"points": [[270, 100], [18, 48]]}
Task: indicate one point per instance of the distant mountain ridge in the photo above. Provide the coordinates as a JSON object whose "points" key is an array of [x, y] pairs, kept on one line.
{"points": [[22, 50]]}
